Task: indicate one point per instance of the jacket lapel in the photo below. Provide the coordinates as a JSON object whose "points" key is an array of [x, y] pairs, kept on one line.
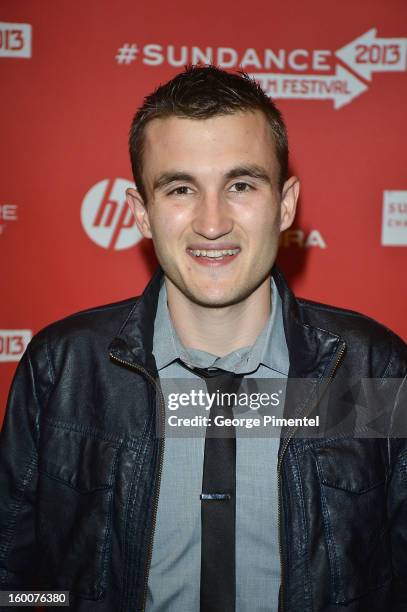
{"points": [[134, 342]]}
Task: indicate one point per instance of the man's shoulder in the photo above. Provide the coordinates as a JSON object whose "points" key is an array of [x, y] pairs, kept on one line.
{"points": [[359, 331], [97, 324], [342, 320]]}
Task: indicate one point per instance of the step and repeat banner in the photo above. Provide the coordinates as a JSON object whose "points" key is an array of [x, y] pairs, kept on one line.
{"points": [[73, 74]]}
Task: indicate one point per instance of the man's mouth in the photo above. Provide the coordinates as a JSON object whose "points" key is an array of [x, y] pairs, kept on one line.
{"points": [[215, 254], [213, 257]]}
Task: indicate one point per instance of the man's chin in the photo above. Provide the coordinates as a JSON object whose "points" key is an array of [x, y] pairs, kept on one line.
{"points": [[216, 299], [216, 294]]}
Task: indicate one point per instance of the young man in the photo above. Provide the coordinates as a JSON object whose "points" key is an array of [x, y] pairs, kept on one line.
{"points": [[96, 501]]}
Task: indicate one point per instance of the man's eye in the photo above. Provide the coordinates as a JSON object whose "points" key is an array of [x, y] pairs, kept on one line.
{"points": [[241, 187], [181, 190]]}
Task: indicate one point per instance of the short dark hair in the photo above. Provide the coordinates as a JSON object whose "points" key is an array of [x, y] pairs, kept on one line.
{"points": [[201, 92]]}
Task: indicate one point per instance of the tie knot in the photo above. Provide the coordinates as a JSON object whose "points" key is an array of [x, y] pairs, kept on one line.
{"points": [[220, 380], [214, 372]]}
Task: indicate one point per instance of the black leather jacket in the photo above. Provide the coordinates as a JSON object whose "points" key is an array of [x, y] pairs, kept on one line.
{"points": [[80, 465]]}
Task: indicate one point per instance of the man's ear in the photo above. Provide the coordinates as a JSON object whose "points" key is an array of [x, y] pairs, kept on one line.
{"points": [[289, 199], [139, 210]]}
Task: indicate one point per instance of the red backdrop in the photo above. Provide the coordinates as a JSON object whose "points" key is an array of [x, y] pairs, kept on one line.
{"points": [[74, 73]]}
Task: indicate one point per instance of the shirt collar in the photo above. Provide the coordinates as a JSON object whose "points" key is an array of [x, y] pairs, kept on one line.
{"points": [[269, 349]]}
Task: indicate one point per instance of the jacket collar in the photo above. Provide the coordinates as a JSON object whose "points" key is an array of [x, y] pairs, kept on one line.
{"points": [[134, 342], [312, 351]]}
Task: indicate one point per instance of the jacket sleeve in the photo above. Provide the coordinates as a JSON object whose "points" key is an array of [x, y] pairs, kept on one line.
{"points": [[398, 521], [397, 491], [18, 481]]}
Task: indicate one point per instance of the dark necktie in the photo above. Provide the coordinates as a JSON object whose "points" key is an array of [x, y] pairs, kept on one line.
{"points": [[218, 499]]}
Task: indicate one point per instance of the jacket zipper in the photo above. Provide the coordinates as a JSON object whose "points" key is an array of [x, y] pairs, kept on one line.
{"points": [[148, 376], [281, 599]]}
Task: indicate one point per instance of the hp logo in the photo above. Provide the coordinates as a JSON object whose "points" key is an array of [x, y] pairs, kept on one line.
{"points": [[106, 218]]}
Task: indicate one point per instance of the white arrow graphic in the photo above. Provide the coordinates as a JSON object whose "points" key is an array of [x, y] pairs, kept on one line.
{"points": [[368, 54], [341, 88]]}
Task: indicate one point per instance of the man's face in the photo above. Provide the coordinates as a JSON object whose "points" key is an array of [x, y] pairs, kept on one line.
{"points": [[214, 209]]}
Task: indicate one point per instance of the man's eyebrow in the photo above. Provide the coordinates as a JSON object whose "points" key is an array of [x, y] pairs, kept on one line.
{"points": [[169, 177], [251, 170]]}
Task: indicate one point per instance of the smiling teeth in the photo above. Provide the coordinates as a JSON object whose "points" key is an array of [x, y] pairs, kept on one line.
{"points": [[214, 254]]}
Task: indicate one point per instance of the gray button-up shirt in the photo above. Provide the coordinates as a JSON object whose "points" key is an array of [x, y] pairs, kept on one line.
{"points": [[174, 579]]}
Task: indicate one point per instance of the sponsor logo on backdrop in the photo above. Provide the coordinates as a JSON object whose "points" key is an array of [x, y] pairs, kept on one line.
{"points": [[15, 40], [394, 220], [289, 73], [106, 218], [8, 213], [13, 343], [298, 238]]}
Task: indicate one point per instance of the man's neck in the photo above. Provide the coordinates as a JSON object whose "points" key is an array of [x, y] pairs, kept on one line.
{"points": [[219, 330]]}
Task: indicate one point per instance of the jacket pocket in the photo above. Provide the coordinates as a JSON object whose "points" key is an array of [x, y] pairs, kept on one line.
{"points": [[352, 475], [76, 476]]}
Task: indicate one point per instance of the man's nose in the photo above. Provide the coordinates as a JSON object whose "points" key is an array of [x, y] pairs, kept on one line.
{"points": [[213, 217]]}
